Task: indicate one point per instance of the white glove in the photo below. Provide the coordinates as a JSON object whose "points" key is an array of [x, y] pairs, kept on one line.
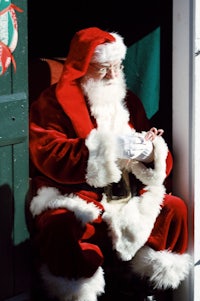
{"points": [[134, 146]]}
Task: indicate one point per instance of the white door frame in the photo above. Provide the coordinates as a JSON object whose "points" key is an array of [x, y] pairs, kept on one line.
{"points": [[186, 129]]}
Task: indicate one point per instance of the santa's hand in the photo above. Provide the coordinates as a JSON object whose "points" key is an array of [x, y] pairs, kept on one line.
{"points": [[152, 133], [134, 146]]}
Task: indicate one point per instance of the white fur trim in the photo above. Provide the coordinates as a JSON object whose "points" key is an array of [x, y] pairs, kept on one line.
{"points": [[83, 289], [110, 51], [102, 168], [50, 198], [128, 230], [131, 223], [146, 175], [164, 269]]}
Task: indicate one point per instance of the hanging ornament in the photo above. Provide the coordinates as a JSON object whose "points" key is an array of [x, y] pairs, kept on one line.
{"points": [[8, 34]]}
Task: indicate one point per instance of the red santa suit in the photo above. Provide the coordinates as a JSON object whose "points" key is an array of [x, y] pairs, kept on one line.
{"points": [[76, 226]]}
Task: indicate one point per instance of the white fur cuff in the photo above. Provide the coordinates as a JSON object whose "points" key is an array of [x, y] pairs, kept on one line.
{"points": [[102, 168], [163, 268], [50, 198], [131, 223], [83, 289]]}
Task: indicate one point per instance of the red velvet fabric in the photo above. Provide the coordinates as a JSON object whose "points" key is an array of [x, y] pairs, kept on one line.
{"points": [[60, 158], [59, 155], [170, 231], [59, 123], [63, 244], [75, 251]]}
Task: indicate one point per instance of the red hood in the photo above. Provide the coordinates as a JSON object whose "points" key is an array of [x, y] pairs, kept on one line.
{"points": [[68, 93]]}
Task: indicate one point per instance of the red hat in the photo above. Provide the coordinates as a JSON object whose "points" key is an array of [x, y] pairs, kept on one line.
{"points": [[84, 47], [109, 52]]}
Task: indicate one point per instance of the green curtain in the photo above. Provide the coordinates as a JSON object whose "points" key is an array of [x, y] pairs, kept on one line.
{"points": [[142, 69]]}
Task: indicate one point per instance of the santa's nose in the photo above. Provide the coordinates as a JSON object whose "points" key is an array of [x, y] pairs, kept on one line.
{"points": [[111, 73]]}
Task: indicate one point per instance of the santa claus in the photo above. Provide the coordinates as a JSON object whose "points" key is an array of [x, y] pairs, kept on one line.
{"points": [[99, 197]]}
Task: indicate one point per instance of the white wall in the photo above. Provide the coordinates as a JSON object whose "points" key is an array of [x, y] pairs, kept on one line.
{"points": [[186, 129], [196, 160]]}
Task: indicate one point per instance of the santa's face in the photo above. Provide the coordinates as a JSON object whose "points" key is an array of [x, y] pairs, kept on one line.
{"points": [[104, 83], [106, 71], [105, 94]]}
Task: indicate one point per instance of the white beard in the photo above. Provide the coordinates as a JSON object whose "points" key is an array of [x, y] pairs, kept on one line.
{"points": [[106, 100]]}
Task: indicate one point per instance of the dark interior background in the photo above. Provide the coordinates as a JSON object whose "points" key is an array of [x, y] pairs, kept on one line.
{"points": [[51, 25]]}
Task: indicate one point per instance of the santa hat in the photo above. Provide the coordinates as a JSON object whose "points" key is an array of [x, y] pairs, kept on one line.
{"points": [[92, 44], [110, 51], [86, 45]]}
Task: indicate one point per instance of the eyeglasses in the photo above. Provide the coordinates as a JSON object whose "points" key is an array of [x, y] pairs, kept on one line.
{"points": [[103, 70]]}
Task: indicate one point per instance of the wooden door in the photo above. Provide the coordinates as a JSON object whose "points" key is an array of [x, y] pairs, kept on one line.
{"points": [[14, 173]]}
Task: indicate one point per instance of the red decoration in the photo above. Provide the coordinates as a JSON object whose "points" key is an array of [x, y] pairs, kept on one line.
{"points": [[8, 35]]}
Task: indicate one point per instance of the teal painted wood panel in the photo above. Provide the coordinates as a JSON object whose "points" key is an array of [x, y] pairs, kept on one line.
{"points": [[13, 118], [14, 168], [6, 221]]}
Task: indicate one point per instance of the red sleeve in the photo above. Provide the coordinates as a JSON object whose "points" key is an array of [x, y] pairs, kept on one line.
{"points": [[54, 147]]}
